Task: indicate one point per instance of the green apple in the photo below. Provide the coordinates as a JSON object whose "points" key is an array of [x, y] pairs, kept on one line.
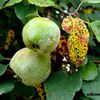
{"points": [[41, 35], [30, 67]]}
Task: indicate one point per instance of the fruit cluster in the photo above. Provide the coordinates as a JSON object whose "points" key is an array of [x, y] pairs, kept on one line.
{"points": [[32, 63]]}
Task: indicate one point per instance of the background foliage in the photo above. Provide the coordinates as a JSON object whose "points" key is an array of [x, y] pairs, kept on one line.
{"points": [[80, 85]]}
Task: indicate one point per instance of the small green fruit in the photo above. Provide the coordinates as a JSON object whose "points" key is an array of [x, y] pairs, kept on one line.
{"points": [[41, 35], [30, 67]]}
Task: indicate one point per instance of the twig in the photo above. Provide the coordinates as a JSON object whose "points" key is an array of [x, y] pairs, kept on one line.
{"points": [[7, 59], [96, 61], [56, 18], [79, 6], [49, 14]]}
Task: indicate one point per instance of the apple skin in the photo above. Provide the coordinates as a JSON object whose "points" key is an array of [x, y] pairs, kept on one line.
{"points": [[30, 67], [41, 35]]}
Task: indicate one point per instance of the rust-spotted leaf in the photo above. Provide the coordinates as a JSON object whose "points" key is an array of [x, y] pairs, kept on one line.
{"points": [[77, 42], [9, 39], [62, 45], [40, 90]]}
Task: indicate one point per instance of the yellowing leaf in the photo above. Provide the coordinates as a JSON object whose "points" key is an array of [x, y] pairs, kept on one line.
{"points": [[40, 90], [77, 42], [62, 45], [10, 37]]}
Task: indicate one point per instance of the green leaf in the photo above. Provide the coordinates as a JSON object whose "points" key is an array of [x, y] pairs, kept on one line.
{"points": [[12, 18], [91, 41], [84, 98], [11, 96], [89, 72], [23, 90], [91, 1], [61, 86], [25, 13], [3, 27], [2, 2], [91, 57], [6, 86], [63, 3], [12, 2], [2, 69], [1, 57], [96, 29], [91, 89], [84, 62], [75, 3], [42, 3]]}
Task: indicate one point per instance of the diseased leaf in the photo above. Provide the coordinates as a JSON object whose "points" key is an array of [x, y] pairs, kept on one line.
{"points": [[2, 69], [42, 3], [62, 45], [78, 39], [40, 90], [6, 86], [12, 2], [96, 29], [10, 37], [91, 89], [60, 86], [89, 72]]}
